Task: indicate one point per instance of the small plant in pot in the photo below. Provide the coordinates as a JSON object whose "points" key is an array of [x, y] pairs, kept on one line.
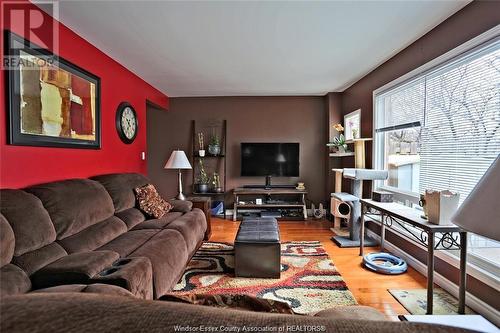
{"points": [[214, 145], [201, 145], [202, 180], [216, 183]]}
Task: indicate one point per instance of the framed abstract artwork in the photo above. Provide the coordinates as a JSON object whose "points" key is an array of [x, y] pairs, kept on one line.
{"points": [[51, 102]]}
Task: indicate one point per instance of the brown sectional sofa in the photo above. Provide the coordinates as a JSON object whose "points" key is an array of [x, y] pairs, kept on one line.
{"points": [[88, 231], [77, 256]]}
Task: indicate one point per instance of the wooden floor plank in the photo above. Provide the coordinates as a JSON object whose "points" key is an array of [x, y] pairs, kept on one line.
{"points": [[368, 288]]}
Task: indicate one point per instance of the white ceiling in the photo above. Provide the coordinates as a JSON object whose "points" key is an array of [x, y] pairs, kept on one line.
{"points": [[225, 48]]}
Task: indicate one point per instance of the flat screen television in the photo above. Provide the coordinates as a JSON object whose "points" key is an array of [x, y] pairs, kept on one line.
{"points": [[269, 159]]}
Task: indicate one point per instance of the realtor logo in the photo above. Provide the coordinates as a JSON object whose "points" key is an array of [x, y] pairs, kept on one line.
{"points": [[33, 21]]}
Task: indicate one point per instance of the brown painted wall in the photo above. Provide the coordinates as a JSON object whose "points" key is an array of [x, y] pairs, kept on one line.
{"points": [[258, 119], [334, 104]]}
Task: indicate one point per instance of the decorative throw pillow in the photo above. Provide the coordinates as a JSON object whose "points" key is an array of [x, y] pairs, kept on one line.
{"points": [[150, 202], [237, 302]]}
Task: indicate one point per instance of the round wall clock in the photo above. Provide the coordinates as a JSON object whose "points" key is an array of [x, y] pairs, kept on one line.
{"points": [[126, 122]]}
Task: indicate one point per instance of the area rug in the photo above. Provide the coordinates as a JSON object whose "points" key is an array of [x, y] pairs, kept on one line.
{"points": [[309, 280], [415, 301]]}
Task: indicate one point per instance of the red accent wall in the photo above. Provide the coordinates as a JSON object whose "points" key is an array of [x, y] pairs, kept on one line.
{"points": [[22, 165]]}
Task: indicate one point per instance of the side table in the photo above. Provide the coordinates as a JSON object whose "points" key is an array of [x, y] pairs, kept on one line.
{"points": [[203, 203], [432, 236]]}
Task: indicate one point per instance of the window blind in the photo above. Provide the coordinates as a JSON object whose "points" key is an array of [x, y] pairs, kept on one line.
{"points": [[402, 107], [461, 135], [457, 105]]}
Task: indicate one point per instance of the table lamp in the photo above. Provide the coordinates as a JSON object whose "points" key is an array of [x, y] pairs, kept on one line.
{"points": [[178, 160], [480, 212]]}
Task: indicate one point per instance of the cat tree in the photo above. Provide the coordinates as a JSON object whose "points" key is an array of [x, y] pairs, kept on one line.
{"points": [[347, 205]]}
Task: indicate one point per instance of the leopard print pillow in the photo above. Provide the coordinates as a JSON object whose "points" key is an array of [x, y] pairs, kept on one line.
{"points": [[150, 202]]}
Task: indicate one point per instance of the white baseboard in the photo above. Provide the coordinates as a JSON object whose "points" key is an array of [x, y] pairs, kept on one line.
{"points": [[472, 301]]}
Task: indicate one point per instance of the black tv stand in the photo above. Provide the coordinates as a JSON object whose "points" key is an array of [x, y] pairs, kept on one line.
{"points": [[271, 205]]}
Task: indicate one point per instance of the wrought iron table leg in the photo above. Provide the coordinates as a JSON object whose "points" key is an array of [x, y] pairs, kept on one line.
{"points": [[463, 272], [430, 272], [383, 217]]}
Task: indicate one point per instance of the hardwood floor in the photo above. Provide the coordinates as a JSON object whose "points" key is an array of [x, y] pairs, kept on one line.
{"points": [[369, 288]]}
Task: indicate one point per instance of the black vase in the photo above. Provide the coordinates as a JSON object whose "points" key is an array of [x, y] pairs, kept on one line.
{"points": [[202, 188]]}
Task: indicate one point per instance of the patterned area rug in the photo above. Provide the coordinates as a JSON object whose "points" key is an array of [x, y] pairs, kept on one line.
{"points": [[309, 281], [415, 301]]}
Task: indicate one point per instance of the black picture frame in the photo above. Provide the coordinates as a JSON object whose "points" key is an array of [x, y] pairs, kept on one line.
{"points": [[14, 44]]}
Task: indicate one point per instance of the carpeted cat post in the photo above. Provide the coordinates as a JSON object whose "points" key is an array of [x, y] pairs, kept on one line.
{"points": [[357, 176]]}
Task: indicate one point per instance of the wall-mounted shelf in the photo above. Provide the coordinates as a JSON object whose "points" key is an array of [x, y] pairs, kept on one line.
{"points": [[349, 153], [209, 193], [209, 156]]}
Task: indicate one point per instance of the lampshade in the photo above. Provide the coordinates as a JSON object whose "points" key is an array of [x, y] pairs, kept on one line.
{"points": [[480, 212], [281, 158], [178, 160]]}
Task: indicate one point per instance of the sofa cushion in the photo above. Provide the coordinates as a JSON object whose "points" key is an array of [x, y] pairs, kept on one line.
{"points": [[121, 187], [158, 223], [73, 268], [13, 280], [168, 254], [96, 288], [32, 261], [131, 217], [29, 220], [74, 204], [150, 202], [182, 206], [94, 236], [192, 226], [129, 241], [7, 242]]}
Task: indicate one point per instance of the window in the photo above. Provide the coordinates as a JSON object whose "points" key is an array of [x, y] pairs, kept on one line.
{"points": [[441, 130]]}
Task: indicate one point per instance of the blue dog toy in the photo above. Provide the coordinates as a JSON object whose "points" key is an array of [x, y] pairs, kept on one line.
{"points": [[385, 263]]}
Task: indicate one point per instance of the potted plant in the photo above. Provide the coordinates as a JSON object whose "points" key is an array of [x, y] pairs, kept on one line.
{"points": [[216, 183], [201, 151], [202, 180], [214, 145], [339, 141]]}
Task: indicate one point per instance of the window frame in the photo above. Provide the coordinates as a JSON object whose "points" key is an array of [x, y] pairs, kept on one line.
{"points": [[407, 197]]}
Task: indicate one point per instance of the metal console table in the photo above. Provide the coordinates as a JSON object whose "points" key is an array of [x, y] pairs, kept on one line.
{"points": [[434, 237]]}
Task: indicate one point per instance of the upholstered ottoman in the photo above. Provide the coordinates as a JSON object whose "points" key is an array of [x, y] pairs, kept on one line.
{"points": [[257, 249]]}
